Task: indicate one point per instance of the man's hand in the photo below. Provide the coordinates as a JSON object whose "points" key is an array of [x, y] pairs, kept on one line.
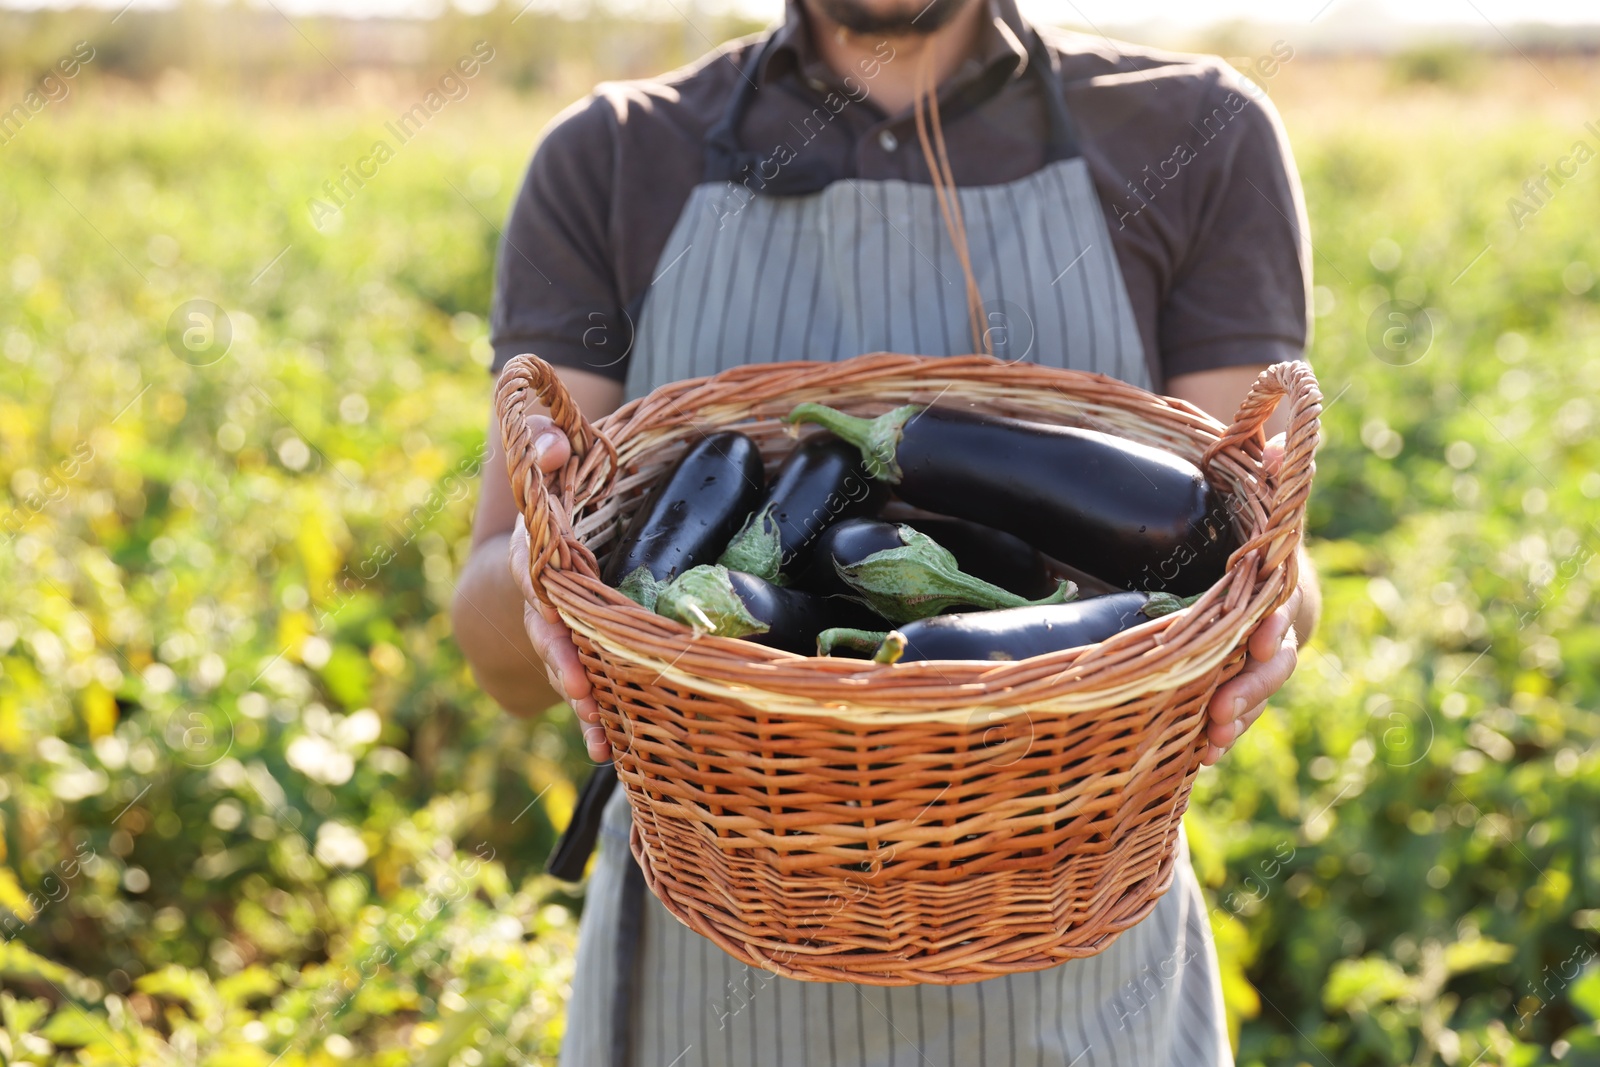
{"points": [[551, 638], [1273, 652]]}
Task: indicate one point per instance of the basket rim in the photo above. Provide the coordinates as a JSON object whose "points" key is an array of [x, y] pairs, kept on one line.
{"points": [[1257, 578]]}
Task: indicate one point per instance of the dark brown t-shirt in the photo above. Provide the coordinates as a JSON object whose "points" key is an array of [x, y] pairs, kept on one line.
{"points": [[1189, 159]]}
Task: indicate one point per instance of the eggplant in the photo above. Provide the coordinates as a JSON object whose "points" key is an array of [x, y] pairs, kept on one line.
{"points": [[1010, 634], [845, 543], [689, 515], [993, 555], [715, 600], [902, 574], [1135, 516], [821, 482]]}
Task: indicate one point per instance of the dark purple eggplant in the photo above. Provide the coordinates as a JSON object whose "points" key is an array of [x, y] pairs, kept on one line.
{"points": [[689, 516], [1136, 516], [821, 482], [1009, 634], [902, 574], [715, 600], [993, 555], [842, 544]]}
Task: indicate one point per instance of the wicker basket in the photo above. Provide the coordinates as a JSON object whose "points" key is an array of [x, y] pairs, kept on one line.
{"points": [[932, 822]]}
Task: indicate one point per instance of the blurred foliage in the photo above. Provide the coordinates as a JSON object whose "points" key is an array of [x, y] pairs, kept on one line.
{"points": [[242, 760], [539, 45], [253, 806], [1441, 63], [1433, 775]]}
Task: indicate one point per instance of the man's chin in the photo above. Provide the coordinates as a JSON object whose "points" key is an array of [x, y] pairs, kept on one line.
{"points": [[889, 18]]}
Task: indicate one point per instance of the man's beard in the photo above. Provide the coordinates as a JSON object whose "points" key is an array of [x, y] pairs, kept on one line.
{"points": [[858, 17]]}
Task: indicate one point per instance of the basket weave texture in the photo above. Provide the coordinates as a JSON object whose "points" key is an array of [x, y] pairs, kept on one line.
{"points": [[930, 822]]}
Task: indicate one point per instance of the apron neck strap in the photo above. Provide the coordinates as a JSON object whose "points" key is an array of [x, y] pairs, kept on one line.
{"points": [[1063, 142], [727, 160]]}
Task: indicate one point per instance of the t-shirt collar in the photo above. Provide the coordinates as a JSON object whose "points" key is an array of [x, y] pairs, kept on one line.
{"points": [[1000, 49]]}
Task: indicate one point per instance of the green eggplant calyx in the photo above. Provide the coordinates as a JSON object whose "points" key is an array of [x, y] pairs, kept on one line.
{"points": [[704, 599], [867, 641], [878, 439], [1161, 604], [922, 579], [641, 587], [756, 549]]}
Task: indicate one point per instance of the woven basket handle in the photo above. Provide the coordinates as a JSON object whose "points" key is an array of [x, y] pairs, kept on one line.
{"points": [[1292, 380], [526, 383]]}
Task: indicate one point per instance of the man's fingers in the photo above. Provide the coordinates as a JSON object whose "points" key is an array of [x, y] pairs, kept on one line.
{"points": [[552, 642], [1253, 685], [540, 613], [518, 554], [551, 449], [594, 739], [594, 735], [562, 657], [1272, 454], [1224, 734], [1251, 716], [1269, 636], [551, 638], [1220, 736], [1239, 702]]}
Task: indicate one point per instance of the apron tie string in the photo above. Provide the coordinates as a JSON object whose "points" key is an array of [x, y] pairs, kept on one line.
{"points": [[926, 106]]}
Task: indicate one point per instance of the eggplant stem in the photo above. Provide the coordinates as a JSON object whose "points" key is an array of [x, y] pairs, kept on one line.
{"points": [[987, 596], [854, 640], [893, 647], [877, 438], [705, 620]]}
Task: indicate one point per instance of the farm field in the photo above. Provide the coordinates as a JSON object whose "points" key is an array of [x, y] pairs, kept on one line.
{"points": [[253, 810]]}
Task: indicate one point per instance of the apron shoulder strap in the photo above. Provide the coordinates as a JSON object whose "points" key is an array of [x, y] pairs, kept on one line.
{"points": [[726, 160], [1063, 143]]}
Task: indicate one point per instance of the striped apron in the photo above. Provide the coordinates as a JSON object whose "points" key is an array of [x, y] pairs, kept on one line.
{"points": [[854, 267]]}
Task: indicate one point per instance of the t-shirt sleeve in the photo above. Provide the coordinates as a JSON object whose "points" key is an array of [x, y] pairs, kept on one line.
{"points": [[1241, 292], [556, 291]]}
